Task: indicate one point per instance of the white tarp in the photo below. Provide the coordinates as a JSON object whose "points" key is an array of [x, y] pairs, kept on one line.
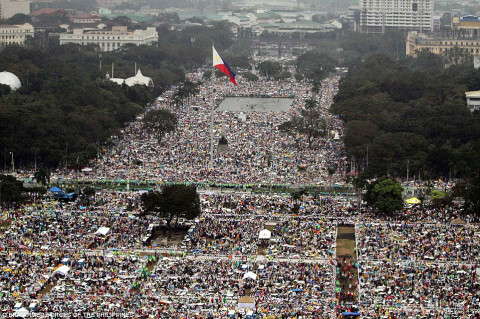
{"points": [[22, 312], [250, 275], [63, 270], [102, 231], [265, 234]]}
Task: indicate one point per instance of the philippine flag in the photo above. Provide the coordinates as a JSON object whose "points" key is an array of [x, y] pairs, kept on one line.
{"points": [[222, 66]]}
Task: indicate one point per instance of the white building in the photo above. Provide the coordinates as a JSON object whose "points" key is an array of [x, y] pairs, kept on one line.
{"points": [[473, 100], [9, 8], [378, 16], [110, 40], [15, 34]]}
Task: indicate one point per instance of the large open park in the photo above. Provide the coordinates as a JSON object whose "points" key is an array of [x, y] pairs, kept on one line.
{"points": [[258, 249]]}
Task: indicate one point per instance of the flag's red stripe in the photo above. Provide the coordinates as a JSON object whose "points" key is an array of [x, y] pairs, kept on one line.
{"points": [[224, 70]]}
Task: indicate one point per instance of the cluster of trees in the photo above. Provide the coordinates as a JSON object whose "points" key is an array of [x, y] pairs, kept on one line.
{"points": [[66, 111], [172, 202], [308, 123], [410, 114], [274, 70]]}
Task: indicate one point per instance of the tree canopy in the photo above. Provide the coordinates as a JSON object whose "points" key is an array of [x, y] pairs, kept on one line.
{"points": [[174, 201], [308, 123], [12, 192], [411, 113], [385, 195], [160, 122]]}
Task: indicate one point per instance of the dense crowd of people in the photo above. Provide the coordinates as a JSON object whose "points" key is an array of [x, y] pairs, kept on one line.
{"points": [[259, 152], [97, 254]]}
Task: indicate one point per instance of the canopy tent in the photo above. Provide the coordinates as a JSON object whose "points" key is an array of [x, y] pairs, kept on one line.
{"points": [[86, 169], [246, 302], [55, 190], [413, 200], [265, 234], [250, 275], [351, 313], [62, 270], [102, 231]]}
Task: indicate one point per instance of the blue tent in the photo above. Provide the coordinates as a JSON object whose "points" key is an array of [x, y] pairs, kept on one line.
{"points": [[55, 190], [351, 313]]}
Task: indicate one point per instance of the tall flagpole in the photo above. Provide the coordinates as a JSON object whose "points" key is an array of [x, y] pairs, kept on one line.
{"points": [[211, 130], [211, 125]]}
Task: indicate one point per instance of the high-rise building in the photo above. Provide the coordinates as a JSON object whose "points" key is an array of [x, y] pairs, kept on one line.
{"points": [[9, 8], [379, 16]]}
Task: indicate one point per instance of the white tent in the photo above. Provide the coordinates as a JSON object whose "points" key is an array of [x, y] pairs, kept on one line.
{"points": [[265, 234], [22, 312], [102, 231], [87, 169], [250, 275], [63, 270]]}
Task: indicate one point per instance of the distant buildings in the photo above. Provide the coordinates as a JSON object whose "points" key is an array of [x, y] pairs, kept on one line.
{"points": [[110, 40], [9, 8], [473, 100], [440, 45], [379, 16], [278, 22], [15, 34], [466, 25], [269, 4]]}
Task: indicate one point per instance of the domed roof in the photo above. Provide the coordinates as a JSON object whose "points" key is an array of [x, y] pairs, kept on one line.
{"points": [[139, 78], [11, 80]]}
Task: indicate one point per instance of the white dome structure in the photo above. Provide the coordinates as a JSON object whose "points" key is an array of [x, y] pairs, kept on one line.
{"points": [[11, 80], [139, 78], [117, 80]]}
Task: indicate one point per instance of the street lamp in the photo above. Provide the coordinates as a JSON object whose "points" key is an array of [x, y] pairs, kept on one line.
{"points": [[13, 163]]}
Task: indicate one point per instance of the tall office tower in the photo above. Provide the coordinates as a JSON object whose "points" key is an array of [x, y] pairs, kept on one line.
{"points": [[378, 16]]}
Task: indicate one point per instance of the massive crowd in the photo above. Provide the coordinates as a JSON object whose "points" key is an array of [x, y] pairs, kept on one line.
{"points": [[96, 255], [259, 152]]}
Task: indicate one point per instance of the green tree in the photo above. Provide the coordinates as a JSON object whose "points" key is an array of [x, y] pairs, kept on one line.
{"points": [[308, 123], [42, 176], [440, 199], [269, 68], [385, 195], [175, 201], [469, 189], [19, 18], [12, 192], [160, 122], [314, 65], [4, 90], [250, 77]]}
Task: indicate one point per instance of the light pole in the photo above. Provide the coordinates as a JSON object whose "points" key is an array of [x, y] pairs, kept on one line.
{"points": [[13, 163]]}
